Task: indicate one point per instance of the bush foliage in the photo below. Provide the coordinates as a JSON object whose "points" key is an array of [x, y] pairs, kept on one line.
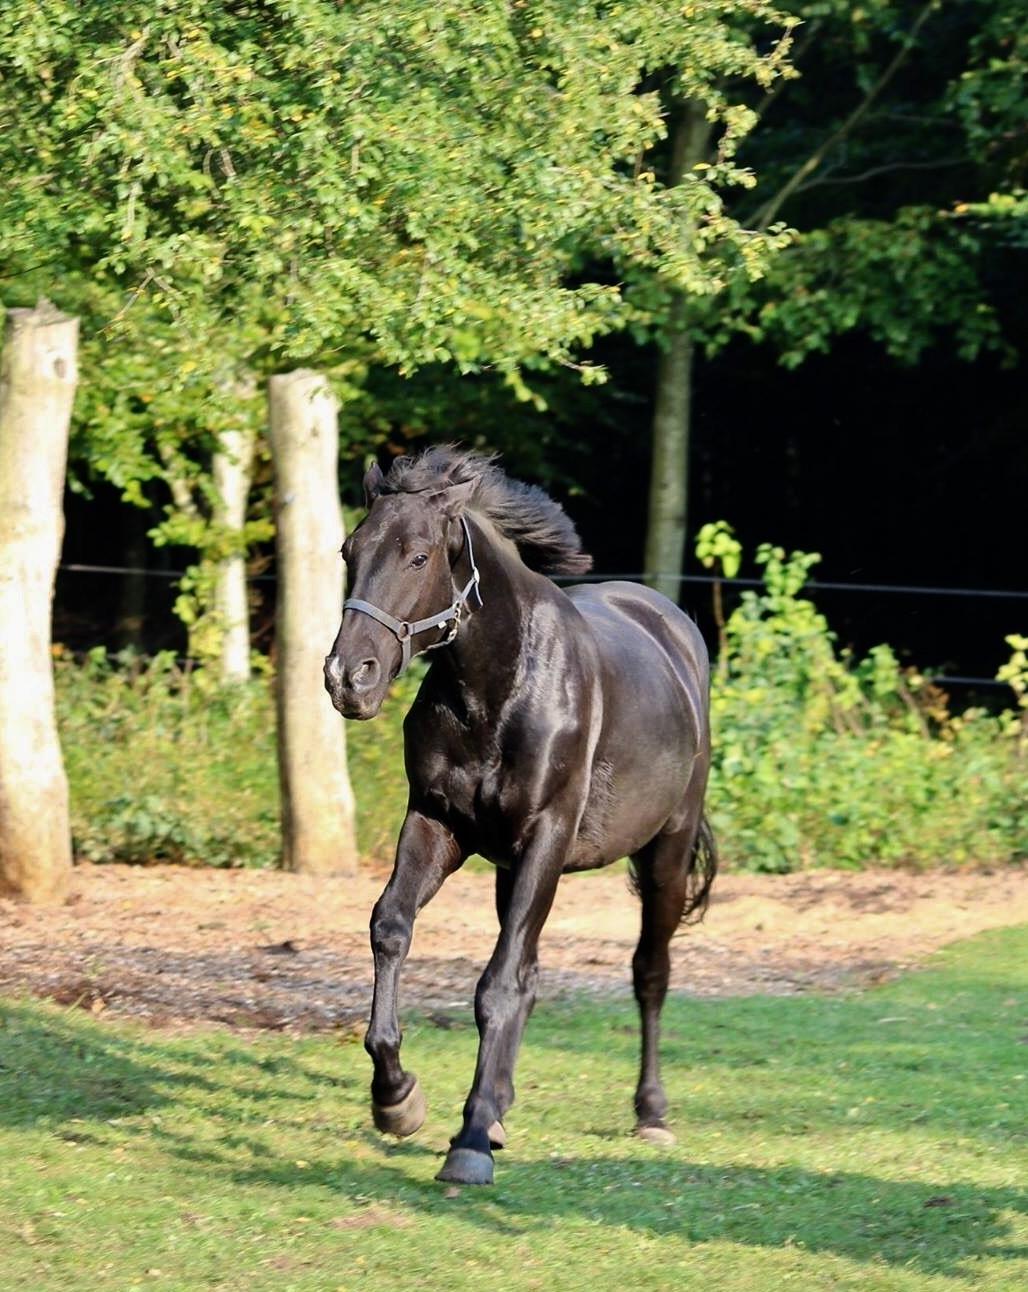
{"points": [[166, 766], [820, 759]]}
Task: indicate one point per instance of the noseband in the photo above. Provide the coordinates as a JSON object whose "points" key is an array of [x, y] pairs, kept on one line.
{"points": [[403, 631]]}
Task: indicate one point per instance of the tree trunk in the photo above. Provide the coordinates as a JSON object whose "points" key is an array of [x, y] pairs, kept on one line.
{"points": [[669, 470], [317, 801], [37, 386], [233, 462], [667, 521], [132, 601]]}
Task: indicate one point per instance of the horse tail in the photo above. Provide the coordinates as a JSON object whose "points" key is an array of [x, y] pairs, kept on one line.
{"points": [[702, 868]]}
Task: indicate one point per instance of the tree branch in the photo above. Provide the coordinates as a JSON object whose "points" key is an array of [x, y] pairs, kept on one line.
{"points": [[791, 185], [881, 170], [134, 295], [764, 106]]}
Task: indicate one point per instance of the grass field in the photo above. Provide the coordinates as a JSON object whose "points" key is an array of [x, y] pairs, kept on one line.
{"points": [[871, 1141]]}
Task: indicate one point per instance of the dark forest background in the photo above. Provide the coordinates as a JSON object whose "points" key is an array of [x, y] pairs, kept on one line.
{"points": [[895, 474]]}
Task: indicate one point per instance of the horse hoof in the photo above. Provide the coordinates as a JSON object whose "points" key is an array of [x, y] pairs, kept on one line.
{"points": [[659, 1135], [497, 1136], [467, 1166], [404, 1118]]}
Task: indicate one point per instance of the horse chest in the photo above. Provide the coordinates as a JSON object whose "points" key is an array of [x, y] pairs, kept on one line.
{"points": [[487, 779], [483, 805]]}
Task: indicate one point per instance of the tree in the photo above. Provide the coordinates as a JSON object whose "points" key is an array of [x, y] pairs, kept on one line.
{"points": [[232, 466], [209, 474], [37, 385], [220, 186], [689, 142], [218, 171], [879, 147], [221, 167]]}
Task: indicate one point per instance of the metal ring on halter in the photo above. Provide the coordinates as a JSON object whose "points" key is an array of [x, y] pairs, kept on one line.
{"points": [[404, 631]]}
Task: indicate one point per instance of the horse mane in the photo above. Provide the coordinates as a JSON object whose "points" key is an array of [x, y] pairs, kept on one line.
{"points": [[543, 532]]}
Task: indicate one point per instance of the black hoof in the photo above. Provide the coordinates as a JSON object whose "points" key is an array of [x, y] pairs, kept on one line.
{"points": [[404, 1118], [467, 1166]]}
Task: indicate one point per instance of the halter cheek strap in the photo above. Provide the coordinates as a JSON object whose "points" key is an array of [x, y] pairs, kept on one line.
{"points": [[404, 631]]}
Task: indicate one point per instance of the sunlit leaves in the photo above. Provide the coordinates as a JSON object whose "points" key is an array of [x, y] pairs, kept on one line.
{"points": [[381, 173]]}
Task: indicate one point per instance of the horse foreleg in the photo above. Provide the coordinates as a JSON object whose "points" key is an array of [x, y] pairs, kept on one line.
{"points": [[503, 1002], [426, 853]]}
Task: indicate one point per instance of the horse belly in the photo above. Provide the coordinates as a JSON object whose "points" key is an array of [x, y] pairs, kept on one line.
{"points": [[630, 804], [653, 678]]}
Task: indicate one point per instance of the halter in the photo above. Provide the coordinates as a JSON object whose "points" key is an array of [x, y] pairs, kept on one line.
{"points": [[403, 631]]}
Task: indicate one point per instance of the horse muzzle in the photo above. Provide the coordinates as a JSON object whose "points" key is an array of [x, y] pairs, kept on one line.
{"points": [[356, 692]]}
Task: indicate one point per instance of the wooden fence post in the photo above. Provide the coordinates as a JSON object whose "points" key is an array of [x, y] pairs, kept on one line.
{"points": [[317, 802], [37, 385]]}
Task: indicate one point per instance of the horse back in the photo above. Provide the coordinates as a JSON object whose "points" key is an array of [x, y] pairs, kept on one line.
{"points": [[637, 626]]}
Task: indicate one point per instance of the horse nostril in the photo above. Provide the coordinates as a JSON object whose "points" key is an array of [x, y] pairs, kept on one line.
{"points": [[365, 675]]}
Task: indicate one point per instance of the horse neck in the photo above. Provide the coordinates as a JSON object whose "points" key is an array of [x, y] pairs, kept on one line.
{"points": [[483, 661]]}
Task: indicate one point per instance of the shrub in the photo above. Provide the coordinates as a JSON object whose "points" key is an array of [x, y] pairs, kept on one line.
{"points": [[163, 765], [824, 760], [166, 766]]}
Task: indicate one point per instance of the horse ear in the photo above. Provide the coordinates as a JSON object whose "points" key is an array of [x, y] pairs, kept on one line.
{"points": [[454, 498], [373, 480]]}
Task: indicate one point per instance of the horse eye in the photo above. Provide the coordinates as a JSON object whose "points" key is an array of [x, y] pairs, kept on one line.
{"points": [[419, 560]]}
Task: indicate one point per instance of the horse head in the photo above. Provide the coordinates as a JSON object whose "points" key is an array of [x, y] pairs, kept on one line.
{"points": [[400, 561]]}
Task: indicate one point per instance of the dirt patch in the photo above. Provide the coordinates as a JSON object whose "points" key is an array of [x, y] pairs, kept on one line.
{"points": [[261, 949]]}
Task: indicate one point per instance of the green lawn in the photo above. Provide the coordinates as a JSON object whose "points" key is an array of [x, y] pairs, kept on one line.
{"points": [[872, 1141]]}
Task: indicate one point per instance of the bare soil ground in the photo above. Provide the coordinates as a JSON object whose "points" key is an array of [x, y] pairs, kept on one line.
{"points": [[261, 949]]}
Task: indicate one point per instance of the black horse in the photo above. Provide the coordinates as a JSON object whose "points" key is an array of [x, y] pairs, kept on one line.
{"points": [[559, 730]]}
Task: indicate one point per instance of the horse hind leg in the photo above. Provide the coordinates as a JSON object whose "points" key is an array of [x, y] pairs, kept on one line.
{"points": [[672, 875]]}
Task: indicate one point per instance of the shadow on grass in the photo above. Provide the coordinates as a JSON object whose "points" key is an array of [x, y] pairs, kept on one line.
{"points": [[57, 1067], [936, 1227], [912, 1054]]}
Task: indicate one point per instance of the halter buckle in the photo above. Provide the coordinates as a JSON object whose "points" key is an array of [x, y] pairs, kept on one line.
{"points": [[455, 616]]}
